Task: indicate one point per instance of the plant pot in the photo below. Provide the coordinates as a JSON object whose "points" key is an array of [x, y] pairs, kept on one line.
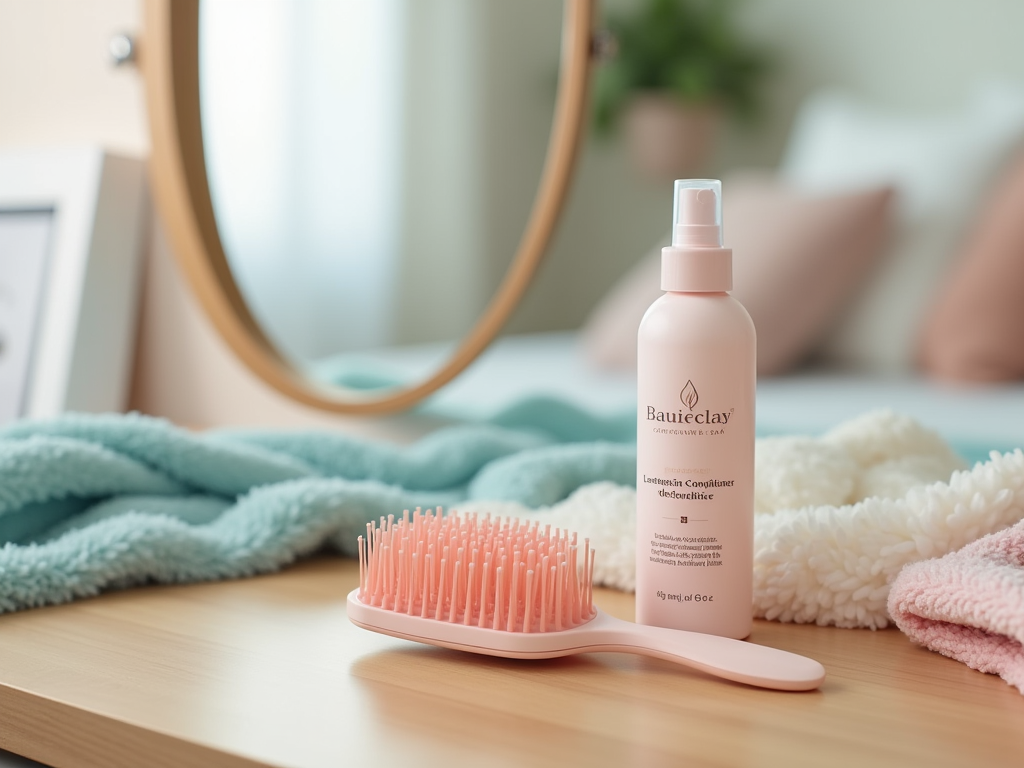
{"points": [[668, 138]]}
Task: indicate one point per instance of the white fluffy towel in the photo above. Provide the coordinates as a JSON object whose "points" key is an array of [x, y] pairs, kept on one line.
{"points": [[837, 517]]}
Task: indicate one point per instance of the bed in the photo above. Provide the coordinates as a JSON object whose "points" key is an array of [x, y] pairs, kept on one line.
{"points": [[974, 418]]}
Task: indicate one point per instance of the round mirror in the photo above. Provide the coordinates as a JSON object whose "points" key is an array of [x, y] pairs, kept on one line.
{"points": [[359, 191]]}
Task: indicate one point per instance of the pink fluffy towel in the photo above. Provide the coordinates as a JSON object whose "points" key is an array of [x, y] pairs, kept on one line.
{"points": [[969, 605]]}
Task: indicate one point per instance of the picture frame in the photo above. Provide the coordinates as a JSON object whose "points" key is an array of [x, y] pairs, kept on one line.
{"points": [[71, 231]]}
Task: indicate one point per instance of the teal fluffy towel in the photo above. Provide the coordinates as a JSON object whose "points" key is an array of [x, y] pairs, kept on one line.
{"points": [[93, 502]]}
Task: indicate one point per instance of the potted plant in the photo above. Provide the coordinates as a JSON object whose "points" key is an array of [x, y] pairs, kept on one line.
{"points": [[679, 66]]}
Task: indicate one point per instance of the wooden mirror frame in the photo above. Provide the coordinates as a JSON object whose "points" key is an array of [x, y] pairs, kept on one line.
{"points": [[170, 65]]}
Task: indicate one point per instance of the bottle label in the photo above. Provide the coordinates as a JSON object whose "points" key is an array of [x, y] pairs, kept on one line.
{"points": [[695, 439]]}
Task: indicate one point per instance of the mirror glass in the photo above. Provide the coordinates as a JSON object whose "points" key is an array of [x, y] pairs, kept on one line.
{"points": [[372, 165]]}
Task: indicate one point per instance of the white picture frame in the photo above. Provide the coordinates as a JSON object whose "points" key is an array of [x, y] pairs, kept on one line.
{"points": [[72, 337]]}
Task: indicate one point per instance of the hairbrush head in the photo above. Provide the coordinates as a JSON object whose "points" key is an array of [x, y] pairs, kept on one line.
{"points": [[477, 571]]}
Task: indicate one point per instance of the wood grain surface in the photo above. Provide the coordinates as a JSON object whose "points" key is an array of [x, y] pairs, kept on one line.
{"points": [[268, 671]]}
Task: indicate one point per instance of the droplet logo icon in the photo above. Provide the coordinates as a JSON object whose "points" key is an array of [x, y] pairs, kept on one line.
{"points": [[689, 395]]}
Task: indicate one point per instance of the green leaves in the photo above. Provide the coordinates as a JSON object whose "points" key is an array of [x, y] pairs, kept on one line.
{"points": [[688, 48]]}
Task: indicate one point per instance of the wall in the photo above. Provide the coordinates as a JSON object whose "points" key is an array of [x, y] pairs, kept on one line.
{"points": [[913, 55], [56, 82], [57, 88]]}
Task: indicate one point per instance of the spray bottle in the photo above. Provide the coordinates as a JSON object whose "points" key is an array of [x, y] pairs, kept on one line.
{"points": [[696, 377]]}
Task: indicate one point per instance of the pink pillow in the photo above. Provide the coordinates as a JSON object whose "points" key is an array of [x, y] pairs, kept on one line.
{"points": [[974, 329], [798, 260]]}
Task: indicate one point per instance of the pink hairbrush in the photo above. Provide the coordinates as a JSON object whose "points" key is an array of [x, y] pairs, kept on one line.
{"points": [[504, 587]]}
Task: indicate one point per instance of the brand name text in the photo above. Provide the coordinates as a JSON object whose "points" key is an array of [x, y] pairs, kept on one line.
{"points": [[678, 417]]}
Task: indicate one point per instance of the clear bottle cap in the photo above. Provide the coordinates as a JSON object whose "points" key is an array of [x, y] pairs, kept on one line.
{"points": [[697, 213]]}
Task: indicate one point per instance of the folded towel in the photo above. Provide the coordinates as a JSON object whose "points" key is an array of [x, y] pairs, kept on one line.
{"points": [[839, 516], [88, 502], [969, 605]]}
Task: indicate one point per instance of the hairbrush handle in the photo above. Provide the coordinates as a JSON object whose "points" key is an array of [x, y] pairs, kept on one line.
{"points": [[721, 656], [724, 657]]}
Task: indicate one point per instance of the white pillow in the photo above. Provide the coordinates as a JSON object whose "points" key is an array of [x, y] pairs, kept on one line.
{"points": [[940, 167]]}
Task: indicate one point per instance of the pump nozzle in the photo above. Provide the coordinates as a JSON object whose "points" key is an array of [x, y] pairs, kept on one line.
{"points": [[696, 260], [697, 213]]}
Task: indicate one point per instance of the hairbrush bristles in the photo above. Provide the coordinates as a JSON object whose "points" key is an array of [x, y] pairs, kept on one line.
{"points": [[490, 572]]}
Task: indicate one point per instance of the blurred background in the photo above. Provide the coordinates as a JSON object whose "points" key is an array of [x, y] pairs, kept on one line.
{"points": [[373, 163]]}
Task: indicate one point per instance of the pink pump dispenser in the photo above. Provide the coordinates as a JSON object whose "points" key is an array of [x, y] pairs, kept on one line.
{"points": [[696, 377], [696, 260]]}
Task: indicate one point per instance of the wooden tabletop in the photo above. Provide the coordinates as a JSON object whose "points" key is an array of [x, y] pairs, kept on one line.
{"points": [[268, 671]]}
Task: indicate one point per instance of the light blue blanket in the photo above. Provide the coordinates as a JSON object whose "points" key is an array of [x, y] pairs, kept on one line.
{"points": [[94, 502]]}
